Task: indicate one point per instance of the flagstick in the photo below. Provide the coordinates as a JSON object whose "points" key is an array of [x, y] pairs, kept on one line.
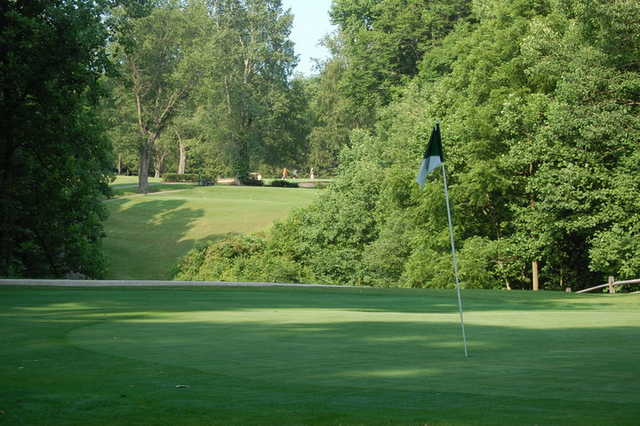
{"points": [[455, 260]]}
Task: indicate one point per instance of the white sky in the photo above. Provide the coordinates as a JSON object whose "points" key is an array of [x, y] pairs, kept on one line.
{"points": [[310, 25]]}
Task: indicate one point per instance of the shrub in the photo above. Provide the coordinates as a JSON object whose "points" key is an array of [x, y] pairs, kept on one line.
{"points": [[210, 262], [240, 258], [251, 181], [206, 181], [284, 184]]}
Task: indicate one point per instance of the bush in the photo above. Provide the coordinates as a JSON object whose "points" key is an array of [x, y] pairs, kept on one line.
{"points": [[284, 184], [206, 181], [250, 181], [240, 258], [210, 262]]}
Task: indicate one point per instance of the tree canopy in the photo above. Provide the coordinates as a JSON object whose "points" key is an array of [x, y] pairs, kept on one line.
{"points": [[539, 104], [538, 101], [55, 161]]}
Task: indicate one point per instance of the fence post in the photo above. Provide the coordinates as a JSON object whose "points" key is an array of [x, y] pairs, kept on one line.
{"points": [[611, 288]]}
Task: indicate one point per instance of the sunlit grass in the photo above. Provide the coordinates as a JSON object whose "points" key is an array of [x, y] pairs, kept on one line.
{"points": [[316, 356], [146, 235]]}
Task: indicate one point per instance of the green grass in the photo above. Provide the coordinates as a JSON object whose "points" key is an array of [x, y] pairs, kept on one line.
{"points": [[146, 235], [128, 185], [316, 356]]}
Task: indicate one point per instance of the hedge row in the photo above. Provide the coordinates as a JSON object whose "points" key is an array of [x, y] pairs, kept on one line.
{"points": [[186, 177], [284, 184]]}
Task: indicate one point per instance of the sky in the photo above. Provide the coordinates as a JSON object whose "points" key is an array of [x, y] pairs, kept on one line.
{"points": [[310, 25]]}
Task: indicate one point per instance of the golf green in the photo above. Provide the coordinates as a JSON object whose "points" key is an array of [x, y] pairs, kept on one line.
{"points": [[316, 356]]}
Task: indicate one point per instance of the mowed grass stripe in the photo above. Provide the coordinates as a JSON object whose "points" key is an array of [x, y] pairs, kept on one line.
{"points": [[146, 235], [316, 356]]}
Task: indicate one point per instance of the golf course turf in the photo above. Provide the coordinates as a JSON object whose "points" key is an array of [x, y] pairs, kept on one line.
{"points": [[147, 235], [233, 355]]}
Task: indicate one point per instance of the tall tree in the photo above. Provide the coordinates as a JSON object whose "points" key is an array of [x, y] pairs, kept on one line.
{"points": [[251, 61], [54, 158], [160, 67], [330, 111], [384, 42]]}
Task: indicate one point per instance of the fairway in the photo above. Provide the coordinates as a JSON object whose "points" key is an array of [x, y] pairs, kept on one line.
{"points": [[147, 234], [316, 356]]}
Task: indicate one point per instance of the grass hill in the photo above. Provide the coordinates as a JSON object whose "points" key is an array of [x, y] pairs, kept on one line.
{"points": [[147, 234]]}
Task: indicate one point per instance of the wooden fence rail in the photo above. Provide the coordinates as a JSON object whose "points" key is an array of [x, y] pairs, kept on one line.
{"points": [[611, 284]]}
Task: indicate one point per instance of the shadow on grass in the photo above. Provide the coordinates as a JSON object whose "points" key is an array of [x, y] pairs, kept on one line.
{"points": [[148, 240], [127, 189]]}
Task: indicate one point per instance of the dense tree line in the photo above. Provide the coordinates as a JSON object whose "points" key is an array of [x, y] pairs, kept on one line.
{"points": [[55, 160], [89, 86], [539, 104], [209, 80]]}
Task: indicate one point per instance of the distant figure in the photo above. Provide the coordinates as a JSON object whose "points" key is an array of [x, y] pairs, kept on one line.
{"points": [[295, 174], [285, 173], [311, 174]]}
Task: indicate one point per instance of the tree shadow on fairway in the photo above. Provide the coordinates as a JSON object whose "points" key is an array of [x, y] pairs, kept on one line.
{"points": [[146, 239]]}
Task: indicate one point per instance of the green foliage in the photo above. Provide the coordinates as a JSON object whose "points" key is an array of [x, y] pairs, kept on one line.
{"points": [[252, 106], [212, 260], [54, 158], [330, 113], [384, 41], [158, 52], [539, 104], [284, 184], [251, 181], [241, 258]]}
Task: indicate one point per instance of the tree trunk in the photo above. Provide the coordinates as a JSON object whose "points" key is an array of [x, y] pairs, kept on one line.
{"points": [[146, 155], [182, 162], [534, 273], [119, 164], [143, 173], [241, 158], [159, 163]]}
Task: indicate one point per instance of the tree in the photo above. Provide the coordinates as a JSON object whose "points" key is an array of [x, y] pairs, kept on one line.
{"points": [[160, 62], [330, 112], [54, 158], [385, 41], [251, 61], [539, 105]]}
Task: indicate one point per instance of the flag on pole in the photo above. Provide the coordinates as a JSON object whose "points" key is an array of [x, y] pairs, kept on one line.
{"points": [[432, 157]]}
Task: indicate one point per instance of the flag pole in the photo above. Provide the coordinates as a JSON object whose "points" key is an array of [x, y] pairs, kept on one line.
{"points": [[454, 260]]}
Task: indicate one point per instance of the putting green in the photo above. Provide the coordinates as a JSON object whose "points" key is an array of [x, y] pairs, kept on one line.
{"points": [[250, 355], [546, 354]]}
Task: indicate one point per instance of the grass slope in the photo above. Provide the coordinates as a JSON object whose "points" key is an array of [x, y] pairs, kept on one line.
{"points": [[146, 235], [316, 356]]}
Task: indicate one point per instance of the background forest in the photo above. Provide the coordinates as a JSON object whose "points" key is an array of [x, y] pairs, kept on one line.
{"points": [[538, 102]]}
